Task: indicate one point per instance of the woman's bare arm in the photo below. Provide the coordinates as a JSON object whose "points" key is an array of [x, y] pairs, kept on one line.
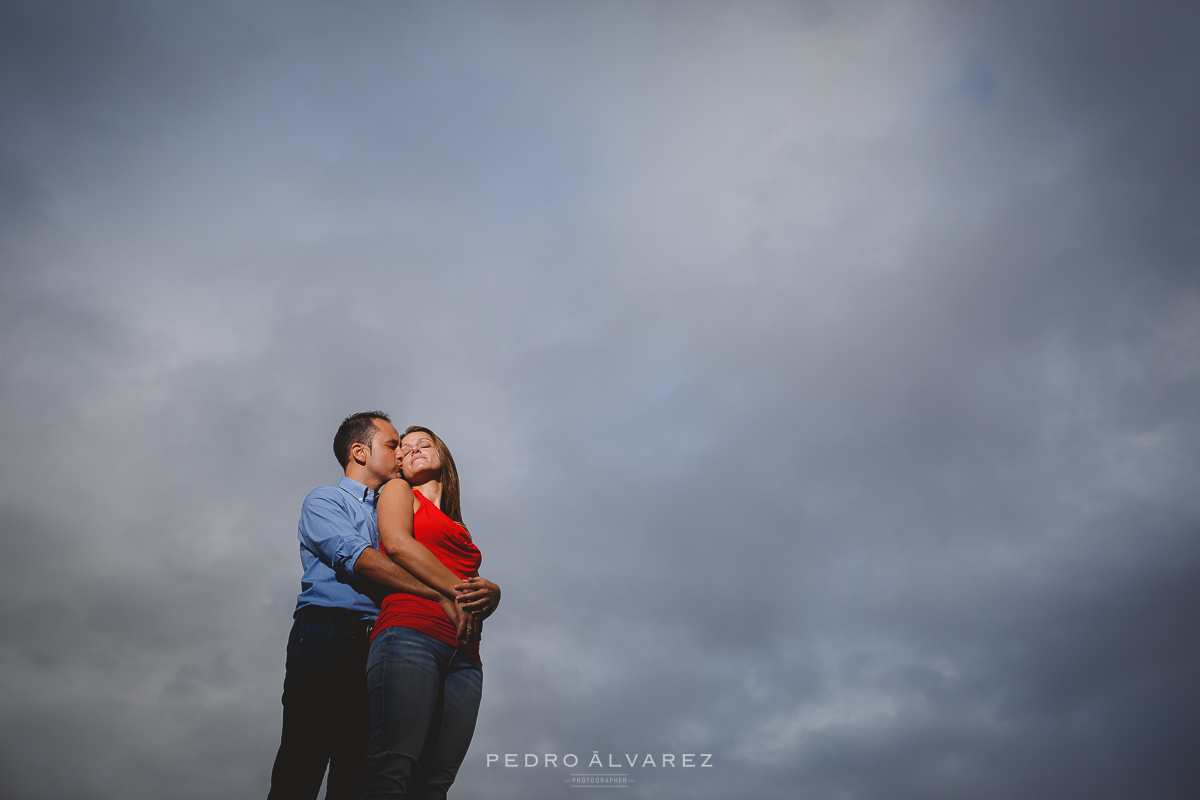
{"points": [[394, 579], [395, 514]]}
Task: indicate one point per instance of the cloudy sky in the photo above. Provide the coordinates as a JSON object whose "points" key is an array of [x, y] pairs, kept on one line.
{"points": [[824, 378]]}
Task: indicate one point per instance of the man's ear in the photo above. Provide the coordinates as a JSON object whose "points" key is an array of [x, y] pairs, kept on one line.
{"points": [[359, 452]]}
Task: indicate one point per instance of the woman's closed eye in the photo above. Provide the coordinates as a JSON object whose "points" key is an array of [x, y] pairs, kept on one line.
{"points": [[408, 450]]}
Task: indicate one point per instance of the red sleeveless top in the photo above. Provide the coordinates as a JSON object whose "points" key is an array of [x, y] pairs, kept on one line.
{"points": [[452, 545]]}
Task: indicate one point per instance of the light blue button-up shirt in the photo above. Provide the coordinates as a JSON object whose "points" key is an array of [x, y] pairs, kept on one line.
{"points": [[336, 524]]}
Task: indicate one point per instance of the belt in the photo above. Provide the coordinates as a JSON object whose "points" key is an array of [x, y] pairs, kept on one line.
{"points": [[337, 616]]}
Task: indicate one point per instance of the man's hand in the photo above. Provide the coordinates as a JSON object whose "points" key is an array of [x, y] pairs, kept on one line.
{"points": [[478, 596]]}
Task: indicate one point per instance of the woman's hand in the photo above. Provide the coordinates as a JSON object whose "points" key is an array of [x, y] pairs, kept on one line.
{"points": [[467, 626], [461, 620], [478, 596]]}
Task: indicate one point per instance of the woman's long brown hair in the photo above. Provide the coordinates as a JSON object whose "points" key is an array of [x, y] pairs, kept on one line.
{"points": [[449, 477]]}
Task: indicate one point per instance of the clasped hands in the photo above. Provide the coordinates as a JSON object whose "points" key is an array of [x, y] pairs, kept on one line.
{"points": [[477, 599]]}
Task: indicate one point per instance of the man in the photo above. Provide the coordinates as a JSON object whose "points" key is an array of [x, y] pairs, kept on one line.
{"points": [[325, 713]]}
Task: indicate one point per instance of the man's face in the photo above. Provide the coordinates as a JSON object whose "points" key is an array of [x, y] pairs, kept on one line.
{"points": [[382, 461]]}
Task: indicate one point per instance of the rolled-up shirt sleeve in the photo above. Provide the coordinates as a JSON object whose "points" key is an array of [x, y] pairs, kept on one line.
{"points": [[328, 530]]}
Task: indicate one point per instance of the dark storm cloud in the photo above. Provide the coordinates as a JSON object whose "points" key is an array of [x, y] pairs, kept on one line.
{"points": [[823, 378]]}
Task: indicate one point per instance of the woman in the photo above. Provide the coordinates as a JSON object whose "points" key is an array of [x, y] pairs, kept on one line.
{"points": [[424, 674]]}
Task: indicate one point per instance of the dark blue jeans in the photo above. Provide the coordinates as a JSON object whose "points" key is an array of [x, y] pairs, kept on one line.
{"points": [[423, 702], [324, 712]]}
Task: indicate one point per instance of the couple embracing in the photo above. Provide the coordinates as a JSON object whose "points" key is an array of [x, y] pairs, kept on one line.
{"points": [[383, 677]]}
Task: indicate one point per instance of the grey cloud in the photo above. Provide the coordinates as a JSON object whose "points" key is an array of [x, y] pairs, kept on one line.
{"points": [[822, 378]]}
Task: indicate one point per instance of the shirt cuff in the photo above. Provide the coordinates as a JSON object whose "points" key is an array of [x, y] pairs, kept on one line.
{"points": [[352, 559]]}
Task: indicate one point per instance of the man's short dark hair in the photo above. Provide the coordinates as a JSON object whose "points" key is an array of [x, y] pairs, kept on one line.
{"points": [[356, 429]]}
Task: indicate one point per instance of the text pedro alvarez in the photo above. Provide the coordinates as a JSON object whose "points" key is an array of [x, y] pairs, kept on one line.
{"points": [[570, 760]]}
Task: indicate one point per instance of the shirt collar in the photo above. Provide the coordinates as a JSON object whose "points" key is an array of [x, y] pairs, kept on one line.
{"points": [[357, 490]]}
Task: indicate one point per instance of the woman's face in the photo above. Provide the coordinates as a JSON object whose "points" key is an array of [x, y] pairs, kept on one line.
{"points": [[419, 459]]}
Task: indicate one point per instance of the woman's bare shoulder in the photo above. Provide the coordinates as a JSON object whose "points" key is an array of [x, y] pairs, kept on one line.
{"points": [[395, 486]]}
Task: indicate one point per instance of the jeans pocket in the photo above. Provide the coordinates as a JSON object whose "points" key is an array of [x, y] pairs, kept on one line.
{"points": [[314, 639]]}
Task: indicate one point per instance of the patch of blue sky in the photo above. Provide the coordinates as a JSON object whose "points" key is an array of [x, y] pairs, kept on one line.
{"points": [[977, 83], [528, 162], [660, 425]]}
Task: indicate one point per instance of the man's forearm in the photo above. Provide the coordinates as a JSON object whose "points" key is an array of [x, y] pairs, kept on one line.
{"points": [[390, 576]]}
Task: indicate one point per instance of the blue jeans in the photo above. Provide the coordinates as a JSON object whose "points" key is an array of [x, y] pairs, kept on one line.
{"points": [[324, 712], [423, 702]]}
